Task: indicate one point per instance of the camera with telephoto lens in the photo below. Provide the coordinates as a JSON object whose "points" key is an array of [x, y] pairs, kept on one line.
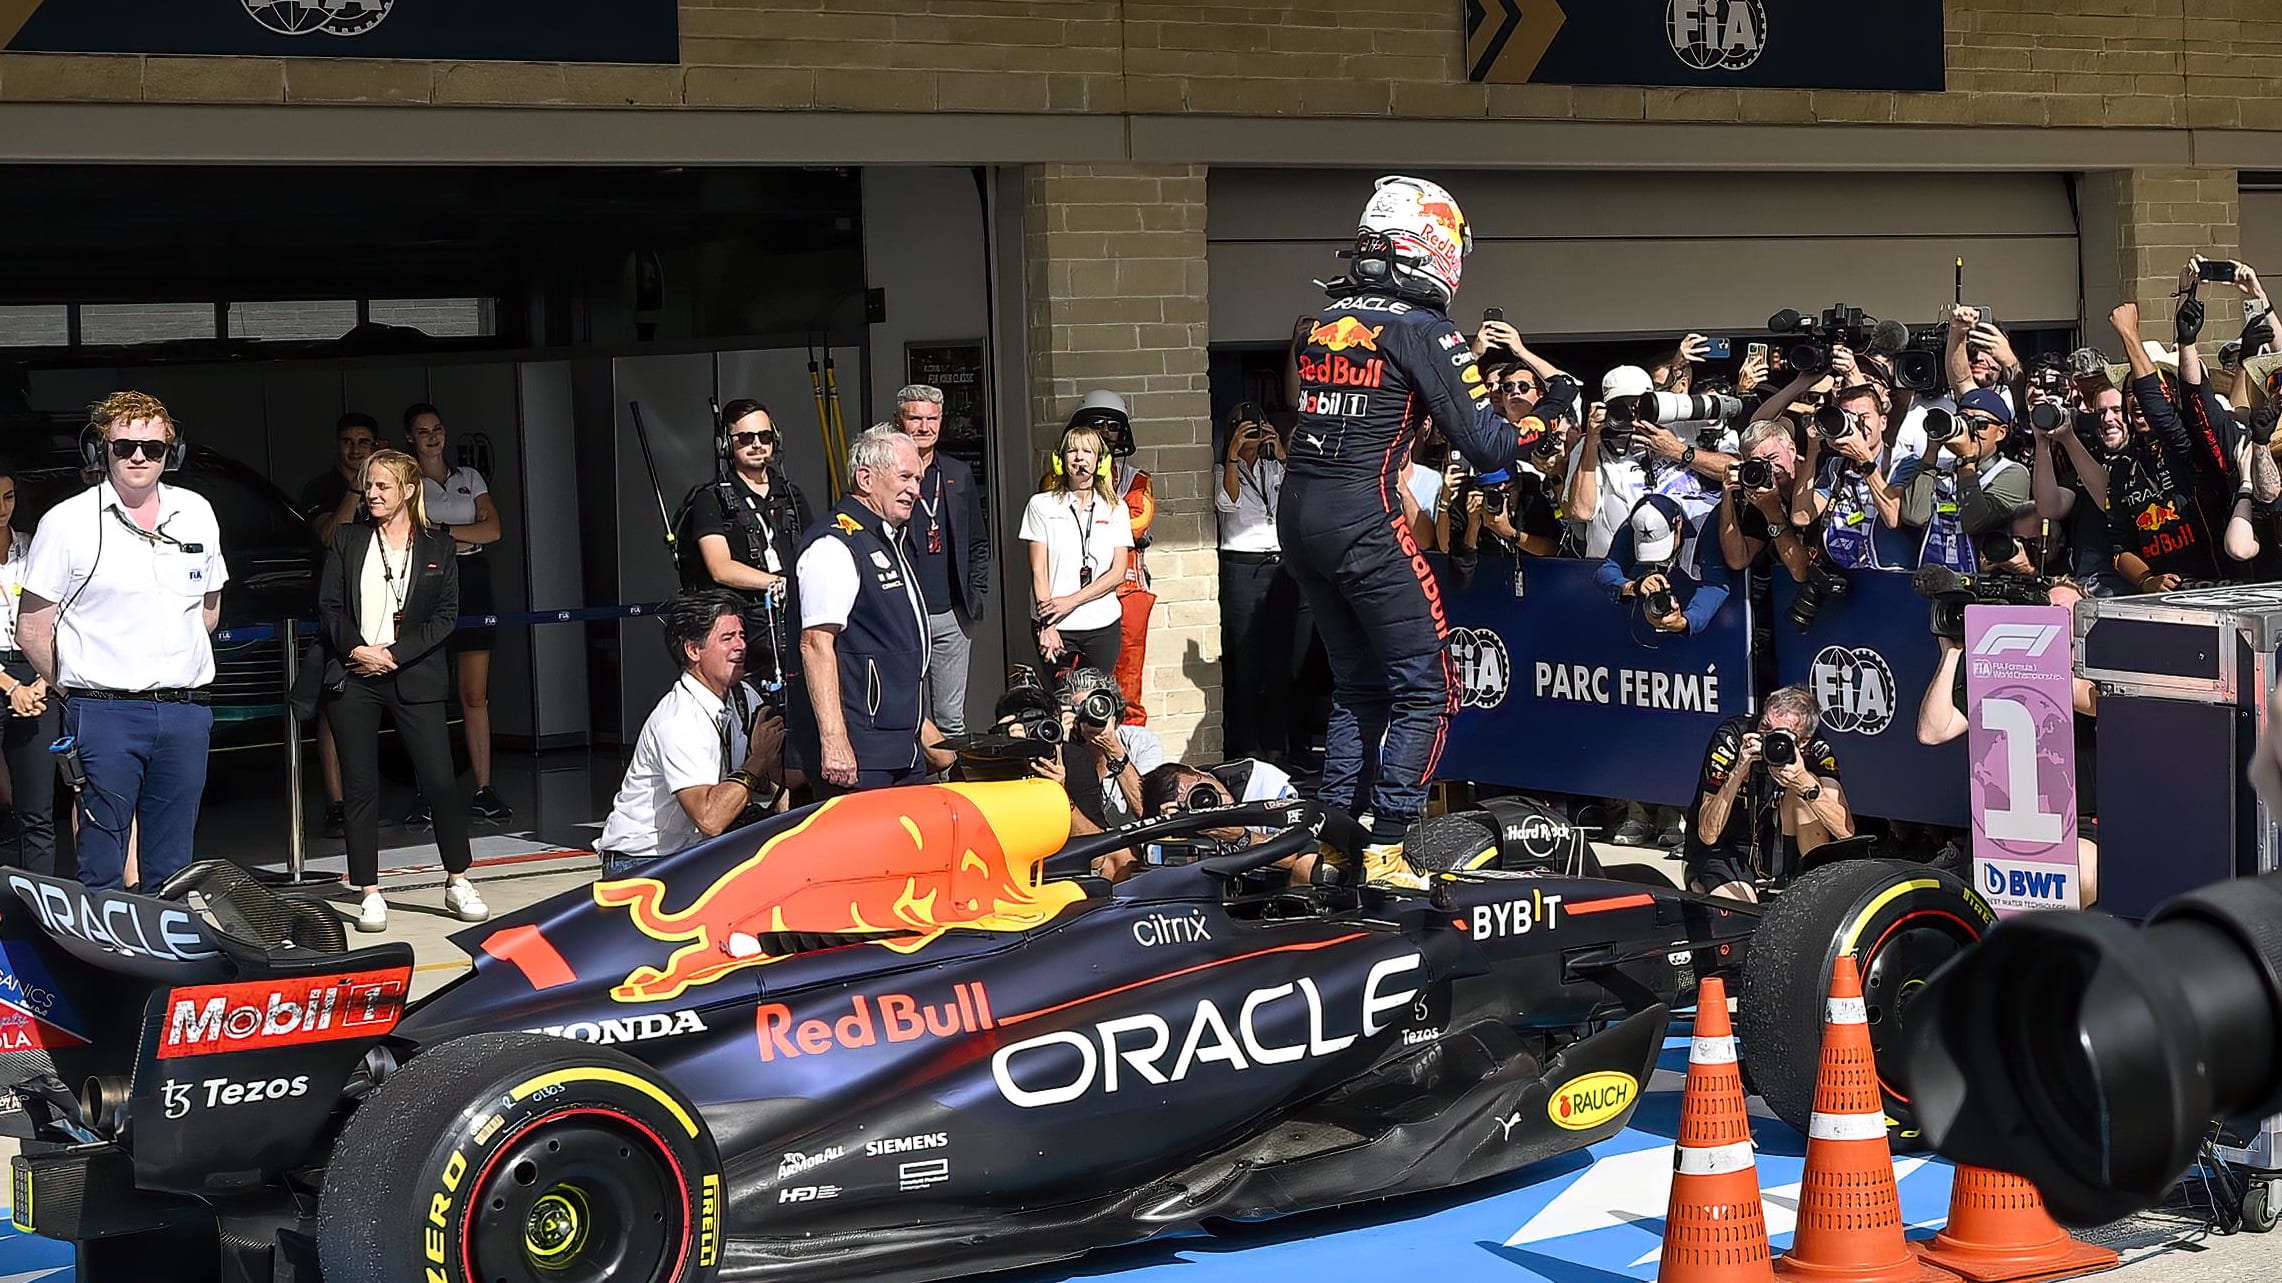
{"points": [[1028, 706], [1833, 424], [1839, 325], [1940, 425], [1685, 407], [1823, 582], [1951, 592], [1778, 747]]}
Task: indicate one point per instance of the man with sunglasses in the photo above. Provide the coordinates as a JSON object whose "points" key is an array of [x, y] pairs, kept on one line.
{"points": [[122, 588]]}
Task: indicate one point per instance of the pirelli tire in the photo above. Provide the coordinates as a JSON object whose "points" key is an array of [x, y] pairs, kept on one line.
{"points": [[519, 1158], [1900, 921], [1451, 843]]}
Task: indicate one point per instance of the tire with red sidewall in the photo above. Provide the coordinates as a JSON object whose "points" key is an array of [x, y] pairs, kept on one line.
{"points": [[523, 1157], [1901, 921]]}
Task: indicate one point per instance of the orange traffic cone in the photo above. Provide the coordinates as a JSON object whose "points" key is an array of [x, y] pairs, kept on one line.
{"points": [[1850, 1215], [1714, 1228], [1999, 1232]]}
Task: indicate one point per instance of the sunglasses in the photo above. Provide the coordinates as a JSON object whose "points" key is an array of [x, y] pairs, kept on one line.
{"points": [[124, 448], [753, 438], [1519, 387]]}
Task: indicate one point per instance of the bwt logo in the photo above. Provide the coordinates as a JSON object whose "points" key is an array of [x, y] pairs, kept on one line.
{"points": [[2026, 884], [2031, 640]]}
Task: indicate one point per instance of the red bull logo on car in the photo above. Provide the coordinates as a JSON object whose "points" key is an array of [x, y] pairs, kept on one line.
{"points": [[896, 868]]}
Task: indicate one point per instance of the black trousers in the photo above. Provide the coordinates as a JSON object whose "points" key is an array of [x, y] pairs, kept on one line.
{"points": [[1091, 648], [421, 729], [28, 841], [1254, 655]]}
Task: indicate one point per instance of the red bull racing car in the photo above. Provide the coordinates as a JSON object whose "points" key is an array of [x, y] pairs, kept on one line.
{"points": [[899, 1035]]}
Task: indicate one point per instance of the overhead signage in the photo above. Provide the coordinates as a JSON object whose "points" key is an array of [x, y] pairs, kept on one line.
{"points": [[1739, 44], [637, 31]]}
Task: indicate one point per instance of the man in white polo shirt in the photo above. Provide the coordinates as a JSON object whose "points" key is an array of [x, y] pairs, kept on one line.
{"points": [[709, 752], [121, 590]]}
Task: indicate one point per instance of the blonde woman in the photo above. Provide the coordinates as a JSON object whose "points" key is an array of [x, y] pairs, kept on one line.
{"points": [[385, 607], [1080, 540]]}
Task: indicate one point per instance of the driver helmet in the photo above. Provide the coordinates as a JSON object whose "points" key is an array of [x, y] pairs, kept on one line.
{"points": [[1104, 411], [1424, 230]]}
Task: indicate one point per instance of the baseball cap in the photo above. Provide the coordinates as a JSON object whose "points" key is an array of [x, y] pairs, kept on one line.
{"points": [[1625, 380], [1657, 525], [1986, 401]]}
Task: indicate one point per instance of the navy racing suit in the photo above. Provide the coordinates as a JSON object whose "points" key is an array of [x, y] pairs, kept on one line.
{"points": [[1372, 370]]}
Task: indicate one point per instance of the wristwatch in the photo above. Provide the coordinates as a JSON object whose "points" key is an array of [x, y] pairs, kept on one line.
{"points": [[1688, 457], [1811, 792], [1117, 765]]}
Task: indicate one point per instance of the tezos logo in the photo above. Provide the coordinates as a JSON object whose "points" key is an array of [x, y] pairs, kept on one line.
{"points": [[311, 17], [1484, 669], [1716, 35], [1854, 689]]}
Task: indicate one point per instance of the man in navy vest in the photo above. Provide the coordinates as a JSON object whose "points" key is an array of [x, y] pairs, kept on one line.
{"points": [[863, 623]]}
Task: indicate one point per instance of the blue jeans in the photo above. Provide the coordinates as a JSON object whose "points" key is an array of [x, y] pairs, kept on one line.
{"points": [[145, 761]]}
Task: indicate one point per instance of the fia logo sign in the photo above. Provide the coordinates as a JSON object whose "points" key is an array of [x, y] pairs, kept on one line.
{"points": [[1854, 688], [1484, 669], [313, 17], [1716, 35]]}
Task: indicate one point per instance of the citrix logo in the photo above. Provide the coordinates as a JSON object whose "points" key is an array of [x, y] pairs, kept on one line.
{"points": [[2029, 639]]}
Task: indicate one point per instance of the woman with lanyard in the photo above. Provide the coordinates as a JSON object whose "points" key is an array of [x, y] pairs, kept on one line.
{"points": [[34, 720], [386, 605], [1080, 540], [459, 502]]}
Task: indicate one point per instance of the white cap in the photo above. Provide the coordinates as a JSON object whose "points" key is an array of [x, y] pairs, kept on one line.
{"points": [[1625, 380], [1657, 525]]}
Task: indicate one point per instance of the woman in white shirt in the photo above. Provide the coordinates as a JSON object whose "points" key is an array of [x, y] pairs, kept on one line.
{"points": [[459, 503], [34, 720], [1080, 540]]}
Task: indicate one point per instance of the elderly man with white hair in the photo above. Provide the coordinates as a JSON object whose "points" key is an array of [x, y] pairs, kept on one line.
{"points": [[863, 623]]}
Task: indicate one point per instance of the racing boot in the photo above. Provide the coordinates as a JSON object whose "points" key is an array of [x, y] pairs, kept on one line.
{"points": [[1384, 866]]}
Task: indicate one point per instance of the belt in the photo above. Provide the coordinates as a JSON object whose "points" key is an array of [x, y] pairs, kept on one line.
{"points": [[1253, 558], [163, 695], [12, 657]]}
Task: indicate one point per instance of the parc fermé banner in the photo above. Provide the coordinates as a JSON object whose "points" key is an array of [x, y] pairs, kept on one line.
{"points": [[1563, 690], [2020, 700]]}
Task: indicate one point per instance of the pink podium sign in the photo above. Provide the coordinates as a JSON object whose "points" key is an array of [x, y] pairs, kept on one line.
{"points": [[2019, 701]]}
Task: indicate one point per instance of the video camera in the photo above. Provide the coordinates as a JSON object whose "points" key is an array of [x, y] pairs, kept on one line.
{"points": [[1913, 356], [1951, 592]]}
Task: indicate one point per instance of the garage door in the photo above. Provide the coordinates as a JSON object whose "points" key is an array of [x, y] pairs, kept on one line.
{"points": [[1587, 254]]}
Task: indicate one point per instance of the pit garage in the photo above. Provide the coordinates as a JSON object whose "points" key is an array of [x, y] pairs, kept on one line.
{"points": [[538, 308]]}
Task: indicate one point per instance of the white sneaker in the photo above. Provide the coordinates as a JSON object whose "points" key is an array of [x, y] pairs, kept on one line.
{"points": [[465, 902], [372, 915]]}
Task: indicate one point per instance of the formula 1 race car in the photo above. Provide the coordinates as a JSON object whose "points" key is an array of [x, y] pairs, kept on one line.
{"points": [[898, 1035]]}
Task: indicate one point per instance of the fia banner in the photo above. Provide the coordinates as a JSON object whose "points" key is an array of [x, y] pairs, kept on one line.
{"points": [[2019, 702]]}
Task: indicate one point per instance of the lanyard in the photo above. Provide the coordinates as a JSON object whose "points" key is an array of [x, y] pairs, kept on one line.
{"points": [[1085, 533], [932, 505], [388, 577], [735, 712], [1255, 478]]}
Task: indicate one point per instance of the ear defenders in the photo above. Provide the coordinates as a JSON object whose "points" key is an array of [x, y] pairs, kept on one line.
{"points": [[93, 456], [1102, 468]]}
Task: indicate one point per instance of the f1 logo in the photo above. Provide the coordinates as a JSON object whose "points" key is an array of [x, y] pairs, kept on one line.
{"points": [[2030, 639]]}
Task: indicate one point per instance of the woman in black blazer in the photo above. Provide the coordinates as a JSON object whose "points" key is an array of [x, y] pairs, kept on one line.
{"points": [[385, 608]]}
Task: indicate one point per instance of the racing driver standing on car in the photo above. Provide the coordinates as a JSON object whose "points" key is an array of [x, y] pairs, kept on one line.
{"points": [[1379, 362]]}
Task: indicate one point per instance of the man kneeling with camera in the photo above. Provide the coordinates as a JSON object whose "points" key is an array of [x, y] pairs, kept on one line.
{"points": [[1769, 795], [1657, 560]]}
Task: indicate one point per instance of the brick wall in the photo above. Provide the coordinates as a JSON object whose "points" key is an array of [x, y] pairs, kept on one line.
{"points": [[2159, 63], [1115, 257]]}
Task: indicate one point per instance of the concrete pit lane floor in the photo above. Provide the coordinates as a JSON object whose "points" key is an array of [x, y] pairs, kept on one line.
{"points": [[1594, 1217]]}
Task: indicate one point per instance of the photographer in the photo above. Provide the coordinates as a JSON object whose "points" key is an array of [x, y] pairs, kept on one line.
{"points": [[1978, 357], [1176, 787], [1657, 561], [1622, 458], [1859, 483], [1769, 794], [1255, 640], [710, 756], [1968, 489], [1755, 507], [1941, 718], [1098, 746], [2068, 474]]}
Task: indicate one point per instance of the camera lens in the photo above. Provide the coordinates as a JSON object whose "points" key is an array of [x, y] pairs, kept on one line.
{"points": [[1756, 474], [2044, 416], [1201, 797], [1940, 425]]}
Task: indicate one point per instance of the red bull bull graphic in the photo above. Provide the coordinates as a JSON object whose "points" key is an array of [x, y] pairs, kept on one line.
{"points": [[2157, 516], [1345, 333], [899, 866]]}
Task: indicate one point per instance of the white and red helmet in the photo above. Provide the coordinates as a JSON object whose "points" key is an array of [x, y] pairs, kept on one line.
{"points": [[1423, 226]]}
